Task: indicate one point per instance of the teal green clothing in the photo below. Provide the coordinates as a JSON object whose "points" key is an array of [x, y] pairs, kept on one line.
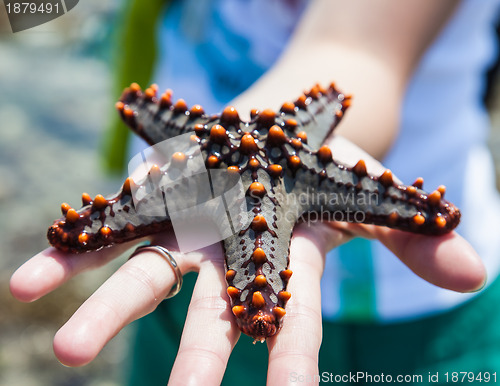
{"points": [[357, 291], [465, 339]]}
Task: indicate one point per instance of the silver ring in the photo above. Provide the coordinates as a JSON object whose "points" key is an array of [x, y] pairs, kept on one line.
{"points": [[164, 252]]}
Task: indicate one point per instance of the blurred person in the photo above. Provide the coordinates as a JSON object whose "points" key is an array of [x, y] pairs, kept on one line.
{"points": [[417, 71]]}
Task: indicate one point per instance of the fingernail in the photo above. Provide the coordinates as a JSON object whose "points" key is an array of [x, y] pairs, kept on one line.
{"points": [[480, 288]]}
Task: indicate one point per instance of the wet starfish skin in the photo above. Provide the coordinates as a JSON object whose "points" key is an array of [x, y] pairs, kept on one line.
{"points": [[285, 181]]}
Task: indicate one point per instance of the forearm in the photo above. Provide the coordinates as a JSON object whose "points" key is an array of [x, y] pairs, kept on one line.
{"points": [[372, 120], [366, 51]]}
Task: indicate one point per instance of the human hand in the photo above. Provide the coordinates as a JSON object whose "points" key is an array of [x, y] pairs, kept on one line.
{"points": [[142, 282]]}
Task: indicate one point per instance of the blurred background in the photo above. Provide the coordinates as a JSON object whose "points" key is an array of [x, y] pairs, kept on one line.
{"points": [[55, 103]]}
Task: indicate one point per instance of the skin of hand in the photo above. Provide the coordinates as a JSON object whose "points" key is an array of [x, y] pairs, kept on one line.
{"points": [[371, 58]]}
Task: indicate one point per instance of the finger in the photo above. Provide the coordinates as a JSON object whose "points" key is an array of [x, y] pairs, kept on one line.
{"points": [[447, 261], [209, 334], [50, 268], [295, 349], [133, 291]]}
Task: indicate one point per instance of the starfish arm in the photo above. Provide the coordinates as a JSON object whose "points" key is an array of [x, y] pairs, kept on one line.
{"points": [[118, 218], [338, 193], [317, 113], [257, 259], [156, 119]]}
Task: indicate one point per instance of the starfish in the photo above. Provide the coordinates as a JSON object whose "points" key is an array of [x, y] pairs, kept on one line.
{"points": [[287, 176]]}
